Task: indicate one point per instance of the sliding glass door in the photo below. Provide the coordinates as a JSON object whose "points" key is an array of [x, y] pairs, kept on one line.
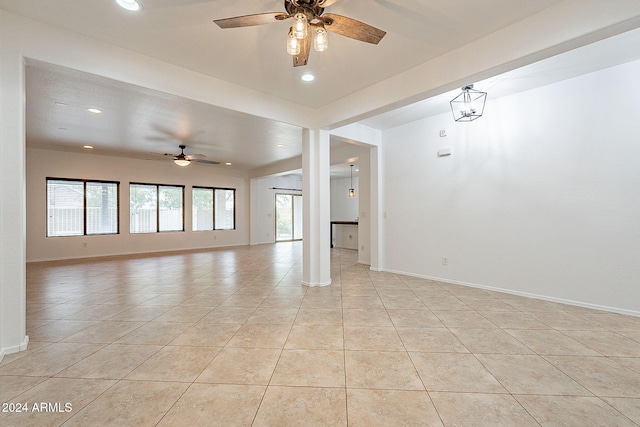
{"points": [[288, 217]]}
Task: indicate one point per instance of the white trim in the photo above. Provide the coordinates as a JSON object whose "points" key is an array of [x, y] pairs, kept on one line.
{"points": [[522, 294], [15, 348]]}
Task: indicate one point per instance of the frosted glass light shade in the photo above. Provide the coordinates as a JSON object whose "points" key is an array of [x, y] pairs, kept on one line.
{"points": [[293, 45], [320, 40], [131, 5], [182, 162], [300, 26]]}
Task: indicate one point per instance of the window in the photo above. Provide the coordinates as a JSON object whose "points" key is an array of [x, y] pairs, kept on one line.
{"points": [[80, 207], [202, 209], [213, 209], [156, 208], [288, 217], [225, 209]]}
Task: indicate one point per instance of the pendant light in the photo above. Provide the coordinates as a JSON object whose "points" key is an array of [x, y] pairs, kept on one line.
{"points": [[469, 105], [352, 192]]}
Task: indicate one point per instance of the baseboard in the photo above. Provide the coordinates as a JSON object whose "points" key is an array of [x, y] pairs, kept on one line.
{"points": [[134, 254], [316, 284], [522, 294], [14, 349]]}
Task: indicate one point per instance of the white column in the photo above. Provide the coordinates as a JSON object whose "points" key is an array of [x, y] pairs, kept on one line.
{"points": [[316, 268], [376, 209], [12, 199]]}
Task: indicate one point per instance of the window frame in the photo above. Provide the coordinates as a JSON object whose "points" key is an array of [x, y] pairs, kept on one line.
{"points": [[213, 207], [84, 205], [157, 186]]}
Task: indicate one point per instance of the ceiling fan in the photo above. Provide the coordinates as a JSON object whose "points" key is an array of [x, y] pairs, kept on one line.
{"points": [[185, 160], [309, 22]]}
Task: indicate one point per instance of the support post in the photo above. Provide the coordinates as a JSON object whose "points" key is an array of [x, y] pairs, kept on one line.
{"points": [[316, 268]]}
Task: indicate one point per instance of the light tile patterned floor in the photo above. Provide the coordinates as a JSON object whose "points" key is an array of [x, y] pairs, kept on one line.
{"points": [[229, 337]]}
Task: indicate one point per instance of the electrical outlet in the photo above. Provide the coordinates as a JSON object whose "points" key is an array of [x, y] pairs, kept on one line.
{"points": [[84, 244], [351, 237], [443, 133], [445, 261]]}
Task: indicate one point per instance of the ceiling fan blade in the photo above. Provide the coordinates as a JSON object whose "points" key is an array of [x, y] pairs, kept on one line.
{"points": [[251, 20], [326, 3], [303, 57], [351, 28], [209, 162], [194, 156]]}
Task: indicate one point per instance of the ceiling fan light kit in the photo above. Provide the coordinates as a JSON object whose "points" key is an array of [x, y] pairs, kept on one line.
{"points": [[186, 159], [320, 39], [309, 22], [293, 44], [182, 162], [181, 159], [300, 26]]}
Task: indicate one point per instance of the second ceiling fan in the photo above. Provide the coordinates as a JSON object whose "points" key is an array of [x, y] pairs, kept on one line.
{"points": [[310, 24]]}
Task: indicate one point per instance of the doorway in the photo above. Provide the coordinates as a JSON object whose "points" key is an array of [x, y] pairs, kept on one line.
{"points": [[288, 217]]}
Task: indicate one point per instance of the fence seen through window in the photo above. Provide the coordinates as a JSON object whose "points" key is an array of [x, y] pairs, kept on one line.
{"points": [[154, 208], [79, 207], [213, 209]]}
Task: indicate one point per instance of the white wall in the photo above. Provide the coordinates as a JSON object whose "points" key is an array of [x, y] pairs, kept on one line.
{"points": [[364, 143], [541, 195], [344, 208], [263, 205], [44, 163]]}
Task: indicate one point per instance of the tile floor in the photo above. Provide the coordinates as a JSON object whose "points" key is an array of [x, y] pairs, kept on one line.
{"points": [[229, 337]]}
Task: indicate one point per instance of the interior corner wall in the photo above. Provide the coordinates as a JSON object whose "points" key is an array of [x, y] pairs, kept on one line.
{"points": [[540, 197], [42, 164], [263, 204]]}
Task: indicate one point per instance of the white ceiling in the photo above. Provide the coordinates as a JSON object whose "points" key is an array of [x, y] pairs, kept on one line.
{"points": [[182, 32], [596, 56], [137, 122], [142, 123]]}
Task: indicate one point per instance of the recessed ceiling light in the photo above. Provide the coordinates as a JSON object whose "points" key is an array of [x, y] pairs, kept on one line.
{"points": [[280, 145], [308, 77], [228, 163], [61, 104], [88, 147], [94, 110], [131, 5]]}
